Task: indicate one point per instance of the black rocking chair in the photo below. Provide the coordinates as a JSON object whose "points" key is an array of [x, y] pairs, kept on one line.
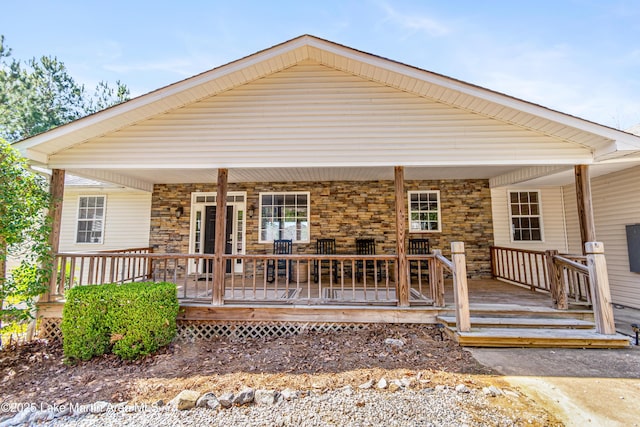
{"points": [[367, 247], [325, 247], [282, 266], [419, 247]]}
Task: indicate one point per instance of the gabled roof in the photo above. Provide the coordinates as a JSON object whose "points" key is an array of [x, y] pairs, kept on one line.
{"points": [[593, 141]]}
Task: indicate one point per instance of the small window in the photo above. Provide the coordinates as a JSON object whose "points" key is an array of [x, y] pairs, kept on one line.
{"points": [[424, 211], [90, 219], [284, 216], [526, 219]]}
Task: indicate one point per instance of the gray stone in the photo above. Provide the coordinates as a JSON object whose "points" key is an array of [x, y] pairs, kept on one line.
{"points": [[347, 390], [394, 342], [39, 416], [158, 403], [266, 397], [461, 388], [367, 385], [407, 382], [185, 400], [244, 397], [510, 393], [441, 387], [208, 400], [288, 394], [492, 391], [19, 418], [382, 384], [226, 400], [64, 411]]}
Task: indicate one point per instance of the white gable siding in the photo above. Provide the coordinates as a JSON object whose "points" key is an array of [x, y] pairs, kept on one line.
{"points": [[552, 219], [127, 220], [312, 115]]}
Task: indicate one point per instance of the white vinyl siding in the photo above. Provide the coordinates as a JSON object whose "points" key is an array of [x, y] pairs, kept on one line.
{"points": [[553, 221], [126, 220], [313, 115], [616, 203]]}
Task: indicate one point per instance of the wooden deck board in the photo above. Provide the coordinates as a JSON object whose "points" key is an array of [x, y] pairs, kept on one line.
{"points": [[519, 322], [515, 337]]}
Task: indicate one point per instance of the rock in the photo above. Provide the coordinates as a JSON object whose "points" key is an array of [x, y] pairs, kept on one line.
{"points": [[266, 397], [393, 387], [39, 416], [186, 399], [288, 394], [64, 411], [226, 400], [407, 382], [492, 391], [208, 400], [461, 388], [382, 384], [348, 390], [244, 397], [81, 409], [367, 385], [158, 403], [441, 387], [394, 342], [510, 393], [21, 417], [99, 407]]}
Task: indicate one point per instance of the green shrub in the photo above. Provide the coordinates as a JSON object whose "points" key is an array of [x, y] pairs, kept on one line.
{"points": [[131, 320]]}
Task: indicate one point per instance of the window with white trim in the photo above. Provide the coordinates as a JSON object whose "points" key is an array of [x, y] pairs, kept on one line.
{"points": [[90, 227], [526, 216], [284, 216], [424, 211]]}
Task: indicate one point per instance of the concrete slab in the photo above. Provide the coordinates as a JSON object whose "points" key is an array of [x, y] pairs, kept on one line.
{"points": [[581, 387]]}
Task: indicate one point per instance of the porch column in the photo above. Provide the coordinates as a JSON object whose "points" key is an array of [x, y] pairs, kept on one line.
{"points": [[585, 207], [460, 287], [56, 192], [401, 221], [221, 238], [600, 292]]}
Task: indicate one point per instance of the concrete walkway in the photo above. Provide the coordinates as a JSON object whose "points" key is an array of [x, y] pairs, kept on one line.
{"points": [[582, 387]]}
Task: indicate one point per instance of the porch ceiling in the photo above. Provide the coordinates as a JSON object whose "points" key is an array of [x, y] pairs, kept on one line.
{"points": [[145, 178]]}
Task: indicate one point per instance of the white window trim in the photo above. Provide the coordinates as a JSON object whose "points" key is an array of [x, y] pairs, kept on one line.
{"points": [[510, 225], [271, 193], [437, 192], [104, 219]]}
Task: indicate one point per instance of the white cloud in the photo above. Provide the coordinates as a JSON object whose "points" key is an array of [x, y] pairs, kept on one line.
{"points": [[415, 22]]}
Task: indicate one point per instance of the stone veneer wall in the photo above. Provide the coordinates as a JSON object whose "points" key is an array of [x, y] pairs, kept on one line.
{"points": [[345, 210]]}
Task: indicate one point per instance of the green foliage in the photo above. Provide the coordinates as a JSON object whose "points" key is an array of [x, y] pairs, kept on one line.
{"points": [[130, 320], [24, 233], [39, 94]]}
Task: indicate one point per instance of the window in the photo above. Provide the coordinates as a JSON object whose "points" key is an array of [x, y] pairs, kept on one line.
{"points": [[90, 219], [284, 216], [424, 211], [526, 222]]}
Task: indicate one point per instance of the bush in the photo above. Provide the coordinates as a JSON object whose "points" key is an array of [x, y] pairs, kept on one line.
{"points": [[130, 320]]}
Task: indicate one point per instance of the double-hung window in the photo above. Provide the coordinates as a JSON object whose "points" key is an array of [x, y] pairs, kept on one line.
{"points": [[424, 211], [284, 216], [90, 227], [526, 216]]}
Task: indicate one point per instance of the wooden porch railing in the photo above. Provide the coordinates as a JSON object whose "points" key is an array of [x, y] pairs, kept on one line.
{"points": [[344, 279], [547, 271]]}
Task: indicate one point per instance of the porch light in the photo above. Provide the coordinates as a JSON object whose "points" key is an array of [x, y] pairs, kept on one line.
{"points": [[179, 211], [251, 211]]}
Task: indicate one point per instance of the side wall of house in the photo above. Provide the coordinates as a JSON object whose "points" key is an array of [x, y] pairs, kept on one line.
{"points": [[345, 210], [553, 222], [126, 222], [616, 203]]}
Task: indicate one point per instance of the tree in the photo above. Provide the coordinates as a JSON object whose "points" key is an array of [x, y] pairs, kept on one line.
{"points": [[39, 95], [24, 198]]}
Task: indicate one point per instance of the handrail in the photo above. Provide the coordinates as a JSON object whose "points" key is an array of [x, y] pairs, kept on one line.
{"points": [[559, 259], [441, 258], [521, 266]]}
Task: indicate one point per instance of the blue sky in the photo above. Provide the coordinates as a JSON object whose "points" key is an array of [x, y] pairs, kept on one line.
{"points": [[580, 57]]}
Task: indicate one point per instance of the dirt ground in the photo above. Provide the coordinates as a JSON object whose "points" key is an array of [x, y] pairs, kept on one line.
{"points": [[36, 372]]}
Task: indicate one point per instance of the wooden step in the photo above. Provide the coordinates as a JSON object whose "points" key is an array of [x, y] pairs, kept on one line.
{"points": [[516, 310], [521, 322], [526, 337]]}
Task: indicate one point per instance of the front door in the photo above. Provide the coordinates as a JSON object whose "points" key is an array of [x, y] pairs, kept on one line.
{"points": [[210, 235]]}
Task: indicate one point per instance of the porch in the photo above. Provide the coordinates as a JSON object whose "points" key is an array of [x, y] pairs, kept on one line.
{"points": [[479, 312]]}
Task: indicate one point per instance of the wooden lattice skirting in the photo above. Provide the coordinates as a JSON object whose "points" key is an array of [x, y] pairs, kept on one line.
{"points": [[191, 330]]}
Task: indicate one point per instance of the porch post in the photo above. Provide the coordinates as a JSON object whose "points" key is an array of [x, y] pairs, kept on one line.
{"points": [[401, 220], [600, 293], [460, 289], [56, 191], [221, 238], [585, 207]]}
